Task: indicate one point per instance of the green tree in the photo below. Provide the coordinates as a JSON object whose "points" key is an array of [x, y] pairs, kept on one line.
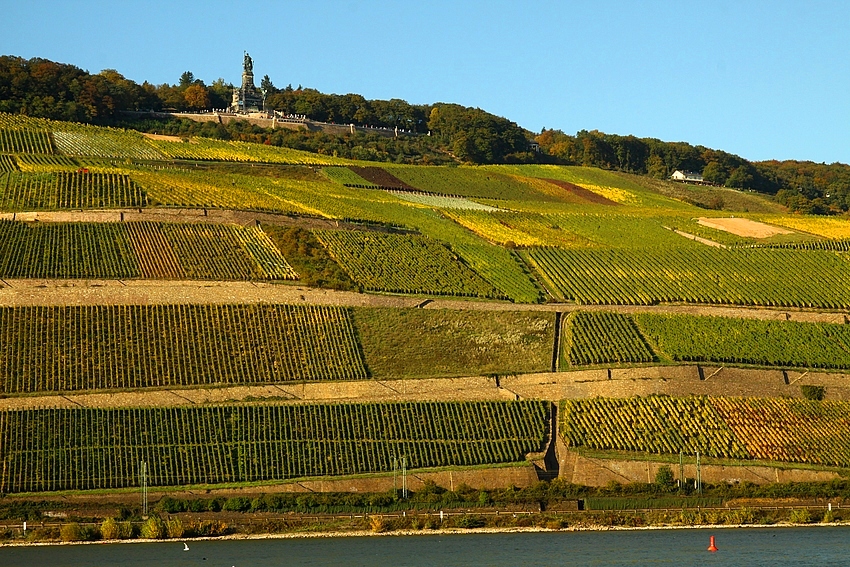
{"points": [[715, 172], [664, 477], [655, 167], [267, 86], [153, 528], [197, 97], [186, 79], [110, 529], [740, 178]]}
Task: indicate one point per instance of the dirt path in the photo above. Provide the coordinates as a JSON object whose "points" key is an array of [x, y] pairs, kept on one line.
{"points": [[553, 386], [143, 292], [196, 215]]}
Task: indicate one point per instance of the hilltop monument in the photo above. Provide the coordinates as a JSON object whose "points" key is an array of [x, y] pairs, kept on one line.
{"points": [[247, 98]]}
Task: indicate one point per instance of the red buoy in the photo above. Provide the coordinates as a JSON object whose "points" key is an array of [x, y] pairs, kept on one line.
{"points": [[711, 546]]}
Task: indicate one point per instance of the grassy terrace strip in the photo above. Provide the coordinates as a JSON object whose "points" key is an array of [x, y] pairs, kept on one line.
{"points": [[746, 341], [139, 250], [770, 278], [403, 263], [62, 349], [784, 430], [602, 338], [80, 449], [413, 343], [66, 190]]}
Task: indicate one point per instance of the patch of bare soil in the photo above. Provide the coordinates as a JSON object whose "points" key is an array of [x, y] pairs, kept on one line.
{"points": [[743, 227], [162, 137]]}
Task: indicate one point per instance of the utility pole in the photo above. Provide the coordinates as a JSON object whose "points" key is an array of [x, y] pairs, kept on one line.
{"points": [[680, 483], [144, 483], [699, 475], [404, 476]]}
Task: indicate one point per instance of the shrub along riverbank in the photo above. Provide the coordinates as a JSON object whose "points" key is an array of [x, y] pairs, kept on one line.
{"points": [[546, 505]]}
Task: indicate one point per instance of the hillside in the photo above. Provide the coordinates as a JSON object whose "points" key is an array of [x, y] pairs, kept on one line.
{"points": [[439, 133], [177, 302]]}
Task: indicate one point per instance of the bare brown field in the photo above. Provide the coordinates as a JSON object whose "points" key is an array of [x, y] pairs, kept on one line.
{"points": [[743, 227], [162, 137]]}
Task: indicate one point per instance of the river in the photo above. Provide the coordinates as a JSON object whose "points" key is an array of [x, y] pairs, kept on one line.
{"points": [[774, 547]]}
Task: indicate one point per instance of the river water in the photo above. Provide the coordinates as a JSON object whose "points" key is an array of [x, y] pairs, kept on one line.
{"points": [[774, 547]]}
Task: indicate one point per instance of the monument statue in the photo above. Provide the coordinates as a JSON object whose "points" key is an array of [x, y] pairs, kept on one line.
{"points": [[247, 98]]}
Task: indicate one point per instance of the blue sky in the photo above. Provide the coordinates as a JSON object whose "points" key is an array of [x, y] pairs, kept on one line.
{"points": [[765, 80]]}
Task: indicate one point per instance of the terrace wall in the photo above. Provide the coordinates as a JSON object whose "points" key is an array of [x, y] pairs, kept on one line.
{"points": [[335, 129], [599, 472]]}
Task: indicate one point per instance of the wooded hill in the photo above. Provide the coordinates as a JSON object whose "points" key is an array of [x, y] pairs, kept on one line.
{"points": [[42, 88]]}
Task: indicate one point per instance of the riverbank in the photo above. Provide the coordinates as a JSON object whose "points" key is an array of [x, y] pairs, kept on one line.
{"points": [[431, 532]]}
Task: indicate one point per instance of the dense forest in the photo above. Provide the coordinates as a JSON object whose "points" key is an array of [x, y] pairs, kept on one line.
{"points": [[442, 133]]}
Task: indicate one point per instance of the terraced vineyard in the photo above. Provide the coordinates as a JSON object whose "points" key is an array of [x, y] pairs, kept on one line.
{"points": [[748, 341], [139, 250], [39, 163], [65, 190], [520, 229], [79, 449], [25, 141], [225, 252], [7, 164], [760, 277], [403, 263], [655, 424], [466, 182], [827, 227], [601, 338], [207, 149], [784, 430], [78, 250], [442, 201], [346, 176], [90, 141], [62, 349]]}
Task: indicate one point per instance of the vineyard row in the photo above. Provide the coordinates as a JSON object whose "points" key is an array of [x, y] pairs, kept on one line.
{"points": [[605, 338], [69, 190], [80, 449], [139, 250], [63, 349], [776, 429]]}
